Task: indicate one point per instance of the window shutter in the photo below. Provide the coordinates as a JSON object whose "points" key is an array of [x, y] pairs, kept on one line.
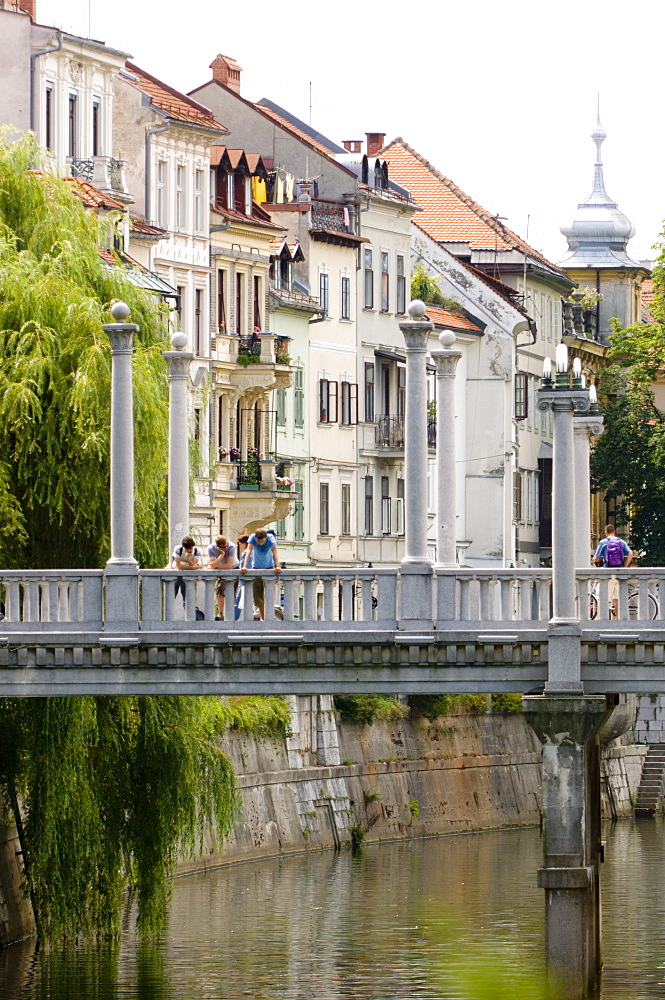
{"points": [[332, 402]]}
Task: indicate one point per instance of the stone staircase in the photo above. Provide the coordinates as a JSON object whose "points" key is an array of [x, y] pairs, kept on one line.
{"points": [[651, 787]]}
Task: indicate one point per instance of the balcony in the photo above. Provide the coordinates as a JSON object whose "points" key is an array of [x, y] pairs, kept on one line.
{"points": [[389, 432], [331, 216], [105, 173]]}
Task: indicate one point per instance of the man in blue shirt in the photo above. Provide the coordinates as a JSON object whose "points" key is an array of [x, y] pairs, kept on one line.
{"points": [[613, 553], [261, 553]]}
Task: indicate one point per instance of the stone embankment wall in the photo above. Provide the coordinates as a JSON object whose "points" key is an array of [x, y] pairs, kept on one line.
{"points": [[410, 778]]}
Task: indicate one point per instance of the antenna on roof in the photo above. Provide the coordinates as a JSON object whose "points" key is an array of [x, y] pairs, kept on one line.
{"points": [[310, 102]]}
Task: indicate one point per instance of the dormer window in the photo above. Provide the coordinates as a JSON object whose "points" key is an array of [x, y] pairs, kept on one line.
{"points": [[230, 191], [248, 195]]}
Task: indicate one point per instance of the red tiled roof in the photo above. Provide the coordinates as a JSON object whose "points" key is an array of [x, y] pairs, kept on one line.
{"points": [[92, 197], [451, 320], [448, 214], [174, 104], [140, 227]]}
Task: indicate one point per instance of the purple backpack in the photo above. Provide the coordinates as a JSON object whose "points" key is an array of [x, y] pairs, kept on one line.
{"points": [[614, 552]]}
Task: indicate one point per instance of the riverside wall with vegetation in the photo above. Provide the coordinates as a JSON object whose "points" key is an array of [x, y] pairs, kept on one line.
{"points": [[409, 776]]}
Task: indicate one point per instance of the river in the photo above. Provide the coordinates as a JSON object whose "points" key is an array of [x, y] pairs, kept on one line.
{"points": [[452, 917]]}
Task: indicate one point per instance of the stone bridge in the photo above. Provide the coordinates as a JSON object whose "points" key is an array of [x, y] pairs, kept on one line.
{"points": [[327, 631]]}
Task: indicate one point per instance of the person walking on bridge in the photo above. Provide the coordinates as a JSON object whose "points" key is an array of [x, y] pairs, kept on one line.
{"points": [[613, 553]]}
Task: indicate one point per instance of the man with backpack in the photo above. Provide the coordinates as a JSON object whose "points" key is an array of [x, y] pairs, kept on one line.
{"points": [[613, 553]]}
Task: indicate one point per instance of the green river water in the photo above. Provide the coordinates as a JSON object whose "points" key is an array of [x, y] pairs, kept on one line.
{"points": [[452, 917]]}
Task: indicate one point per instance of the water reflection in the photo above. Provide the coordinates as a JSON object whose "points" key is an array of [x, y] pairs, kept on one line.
{"points": [[395, 922]]}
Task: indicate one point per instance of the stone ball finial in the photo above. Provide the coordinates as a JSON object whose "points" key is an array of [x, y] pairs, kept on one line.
{"points": [[120, 311], [417, 309], [178, 341], [447, 338]]}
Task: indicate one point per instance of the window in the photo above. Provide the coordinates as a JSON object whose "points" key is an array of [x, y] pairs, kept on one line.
{"points": [[401, 392], [385, 506], [324, 296], [230, 191], [280, 528], [280, 406], [298, 399], [299, 512], [385, 283], [258, 323], [327, 401], [96, 126], [180, 304], [180, 195], [517, 496], [48, 117], [399, 507], [346, 297], [401, 285], [220, 421], [72, 126], [239, 303], [197, 425], [221, 300], [369, 505], [521, 395], [324, 508], [198, 325], [162, 216], [349, 413], [369, 392], [369, 281], [276, 273], [346, 508], [248, 195], [198, 201]]}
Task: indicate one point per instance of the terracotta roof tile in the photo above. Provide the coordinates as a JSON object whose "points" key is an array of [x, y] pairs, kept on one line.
{"points": [[172, 102], [451, 320], [448, 214], [91, 196], [140, 227]]}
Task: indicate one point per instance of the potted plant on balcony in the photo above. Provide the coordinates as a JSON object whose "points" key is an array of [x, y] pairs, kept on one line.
{"points": [[282, 357], [284, 483]]}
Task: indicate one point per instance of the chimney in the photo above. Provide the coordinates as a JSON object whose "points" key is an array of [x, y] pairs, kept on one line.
{"points": [[375, 141], [352, 145], [28, 7], [227, 72]]}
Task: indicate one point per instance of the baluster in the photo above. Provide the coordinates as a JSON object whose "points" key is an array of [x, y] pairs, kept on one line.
{"points": [[464, 598], [190, 599], [169, 599], [524, 585], [248, 607], [329, 610], [544, 599], [386, 597], [603, 598], [346, 584], [207, 583], [486, 588], [65, 590], [366, 611], [506, 588], [291, 588], [623, 599], [230, 591], [310, 587], [13, 602], [270, 589]]}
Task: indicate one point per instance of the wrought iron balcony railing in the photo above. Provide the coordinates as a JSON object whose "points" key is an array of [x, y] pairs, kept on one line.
{"points": [[389, 431]]}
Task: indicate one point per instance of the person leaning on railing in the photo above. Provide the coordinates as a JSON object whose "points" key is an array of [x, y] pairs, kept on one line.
{"points": [[262, 553], [222, 555]]}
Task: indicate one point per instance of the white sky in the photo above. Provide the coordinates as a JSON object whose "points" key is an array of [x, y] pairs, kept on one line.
{"points": [[500, 97]]}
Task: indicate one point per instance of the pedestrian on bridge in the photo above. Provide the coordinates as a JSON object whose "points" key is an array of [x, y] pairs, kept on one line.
{"points": [[187, 555], [222, 555], [613, 553], [262, 554]]}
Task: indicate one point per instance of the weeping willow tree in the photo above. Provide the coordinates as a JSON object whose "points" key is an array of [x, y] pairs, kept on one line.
{"points": [[107, 793], [55, 368]]}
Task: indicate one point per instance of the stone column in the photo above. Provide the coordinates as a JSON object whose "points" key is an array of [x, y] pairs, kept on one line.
{"points": [[415, 609], [178, 361], [121, 335], [446, 471], [583, 428], [568, 728], [121, 574], [564, 670]]}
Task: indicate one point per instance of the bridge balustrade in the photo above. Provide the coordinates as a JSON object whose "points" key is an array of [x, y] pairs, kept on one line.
{"points": [[351, 598]]}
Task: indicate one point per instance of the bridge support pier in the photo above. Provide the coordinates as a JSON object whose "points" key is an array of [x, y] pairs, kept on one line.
{"points": [[568, 726]]}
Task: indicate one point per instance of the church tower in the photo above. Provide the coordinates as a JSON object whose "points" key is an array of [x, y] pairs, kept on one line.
{"points": [[598, 259]]}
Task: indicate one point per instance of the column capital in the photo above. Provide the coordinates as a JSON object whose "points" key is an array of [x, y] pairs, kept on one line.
{"points": [[416, 334], [121, 336], [445, 361], [588, 423], [178, 362], [576, 400]]}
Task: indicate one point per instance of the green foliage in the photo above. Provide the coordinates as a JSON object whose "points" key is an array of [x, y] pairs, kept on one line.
{"points": [[367, 708], [506, 703], [414, 808], [55, 294], [431, 706], [255, 715], [424, 287], [246, 359], [114, 791], [628, 461], [358, 835]]}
